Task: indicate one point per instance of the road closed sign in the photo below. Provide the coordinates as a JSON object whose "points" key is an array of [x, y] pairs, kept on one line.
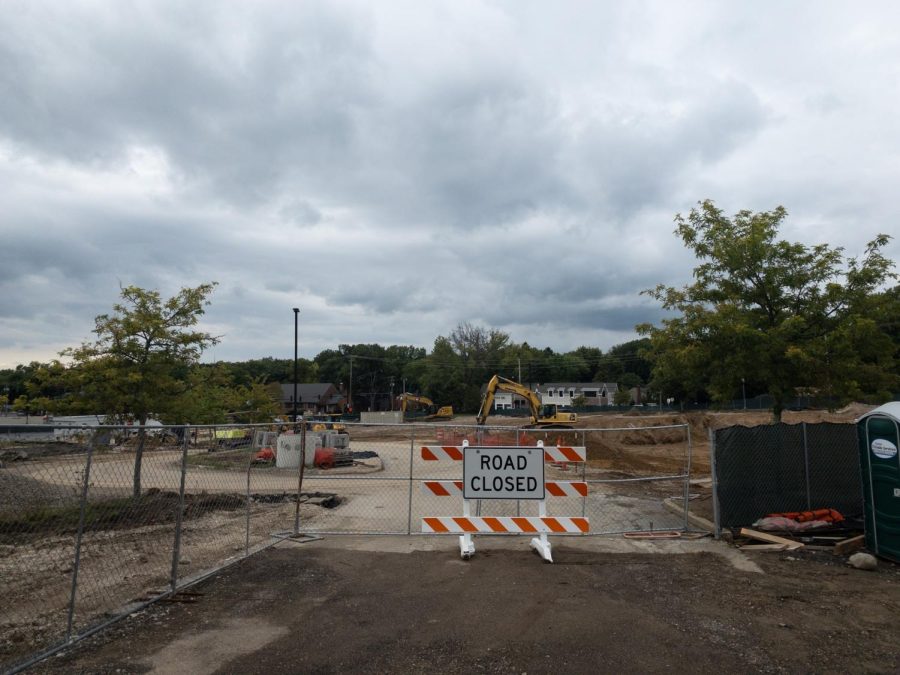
{"points": [[503, 473]]}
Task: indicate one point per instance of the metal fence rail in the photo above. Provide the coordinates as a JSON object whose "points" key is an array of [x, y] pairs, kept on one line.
{"points": [[79, 546]]}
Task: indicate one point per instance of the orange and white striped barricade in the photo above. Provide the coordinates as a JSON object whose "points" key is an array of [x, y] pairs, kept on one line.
{"points": [[504, 473]]}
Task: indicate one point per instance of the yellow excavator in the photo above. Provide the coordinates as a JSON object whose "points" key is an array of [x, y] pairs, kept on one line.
{"points": [[434, 413], [542, 416]]}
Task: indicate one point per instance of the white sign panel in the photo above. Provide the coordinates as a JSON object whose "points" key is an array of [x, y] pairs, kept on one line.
{"points": [[503, 473]]}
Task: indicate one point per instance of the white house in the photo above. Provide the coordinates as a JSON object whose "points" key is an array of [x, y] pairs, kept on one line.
{"points": [[563, 393], [506, 400]]}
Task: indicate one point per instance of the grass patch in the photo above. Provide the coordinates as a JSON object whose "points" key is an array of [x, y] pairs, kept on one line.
{"points": [[225, 459]]}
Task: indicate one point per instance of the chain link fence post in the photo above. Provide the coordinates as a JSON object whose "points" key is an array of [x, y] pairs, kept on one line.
{"points": [[79, 536], [806, 468], [300, 471], [247, 505], [687, 477], [715, 484], [179, 514], [584, 474], [412, 446]]}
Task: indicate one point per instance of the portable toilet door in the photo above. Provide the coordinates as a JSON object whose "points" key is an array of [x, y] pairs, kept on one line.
{"points": [[879, 437]]}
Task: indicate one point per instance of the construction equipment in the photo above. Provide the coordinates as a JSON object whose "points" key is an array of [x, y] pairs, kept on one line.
{"points": [[433, 412], [325, 422], [231, 438], [542, 416]]}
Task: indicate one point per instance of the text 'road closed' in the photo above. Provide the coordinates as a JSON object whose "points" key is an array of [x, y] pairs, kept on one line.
{"points": [[503, 473]]}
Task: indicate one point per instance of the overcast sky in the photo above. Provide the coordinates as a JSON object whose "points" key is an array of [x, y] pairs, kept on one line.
{"points": [[396, 168]]}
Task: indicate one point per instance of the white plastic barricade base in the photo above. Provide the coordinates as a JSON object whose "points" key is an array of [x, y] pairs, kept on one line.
{"points": [[542, 547]]}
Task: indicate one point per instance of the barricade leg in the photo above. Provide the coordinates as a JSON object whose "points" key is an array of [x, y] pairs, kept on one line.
{"points": [[542, 544], [466, 541]]}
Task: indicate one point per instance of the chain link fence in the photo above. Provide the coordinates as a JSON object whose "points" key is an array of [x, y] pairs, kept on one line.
{"points": [[82, 542], [781, 468]]}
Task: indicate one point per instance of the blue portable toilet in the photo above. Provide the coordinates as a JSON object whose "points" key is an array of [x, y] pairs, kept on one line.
{"points": [[879, 437]]}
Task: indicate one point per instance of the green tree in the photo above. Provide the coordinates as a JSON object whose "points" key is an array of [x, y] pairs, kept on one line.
{"points": [[444, 378], [522, 363], [480, 351], [13, 381], [269, 369], [590, 357], [205, 397], [622, 397], [780, 313], [45, 389], [253, 403], [141, 358]]}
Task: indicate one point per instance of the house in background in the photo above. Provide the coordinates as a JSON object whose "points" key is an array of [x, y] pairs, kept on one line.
{"points": [[563, 393], [506, 400], [318, 397]]}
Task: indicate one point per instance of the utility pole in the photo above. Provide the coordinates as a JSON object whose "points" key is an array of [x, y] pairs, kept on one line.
{"points": [[296, 313], [392, 393], [350, 394], [520, 370]]}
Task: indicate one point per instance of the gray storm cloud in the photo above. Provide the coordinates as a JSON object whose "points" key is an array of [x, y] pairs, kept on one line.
{"points": [[396, 169]]}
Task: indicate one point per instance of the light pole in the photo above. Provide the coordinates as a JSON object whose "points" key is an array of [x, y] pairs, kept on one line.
{"points": [[350, 388], [296, 314], [744, 392]]}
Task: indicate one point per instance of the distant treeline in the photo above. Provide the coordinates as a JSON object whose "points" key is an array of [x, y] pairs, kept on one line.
{"points": [[453, 373]]}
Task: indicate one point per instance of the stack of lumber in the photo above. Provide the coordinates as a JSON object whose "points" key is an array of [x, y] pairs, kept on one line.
{"points": [[773, 542]]}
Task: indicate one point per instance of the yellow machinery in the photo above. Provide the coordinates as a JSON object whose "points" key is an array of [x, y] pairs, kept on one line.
{"points": [[434, 413], [325, 422], [542, 416]]}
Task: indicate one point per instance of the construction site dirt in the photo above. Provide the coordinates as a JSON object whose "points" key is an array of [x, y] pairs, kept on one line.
{"points": [[622, 443], [394, 604]]}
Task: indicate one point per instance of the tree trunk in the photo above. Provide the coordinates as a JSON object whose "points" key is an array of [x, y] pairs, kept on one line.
{"points": [[777, 407], [138, 457]]}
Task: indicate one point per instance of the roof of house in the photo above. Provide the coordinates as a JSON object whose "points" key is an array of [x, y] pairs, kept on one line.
{"points": [[578, 385]]}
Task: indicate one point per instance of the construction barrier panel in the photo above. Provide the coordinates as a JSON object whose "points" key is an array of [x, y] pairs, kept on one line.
{"points": [[513, 469]]}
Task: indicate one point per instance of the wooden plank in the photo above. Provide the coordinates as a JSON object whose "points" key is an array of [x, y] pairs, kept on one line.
{"points": [[764, 547], [851, 544], [771, 538]]}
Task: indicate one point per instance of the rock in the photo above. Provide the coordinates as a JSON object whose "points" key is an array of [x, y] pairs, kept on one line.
{"points": [[863, 561]]}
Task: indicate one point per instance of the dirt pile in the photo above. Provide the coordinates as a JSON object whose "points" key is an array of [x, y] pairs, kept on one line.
{"points": [[153, 507]]}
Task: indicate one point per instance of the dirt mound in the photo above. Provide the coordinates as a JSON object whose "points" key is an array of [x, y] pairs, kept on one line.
{"points": [[153, 507]]}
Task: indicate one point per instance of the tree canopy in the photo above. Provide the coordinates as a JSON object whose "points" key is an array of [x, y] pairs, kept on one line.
{"points": [[137, 366], [783, 316]]}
